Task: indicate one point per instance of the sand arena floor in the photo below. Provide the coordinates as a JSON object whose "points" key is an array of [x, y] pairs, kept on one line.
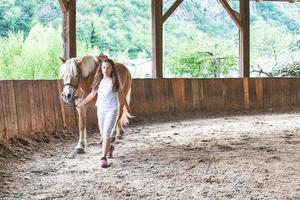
{"points": [[188, 156]]}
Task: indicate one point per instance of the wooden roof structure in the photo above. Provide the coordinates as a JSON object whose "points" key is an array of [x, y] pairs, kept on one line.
{"points": [[241, 18]]}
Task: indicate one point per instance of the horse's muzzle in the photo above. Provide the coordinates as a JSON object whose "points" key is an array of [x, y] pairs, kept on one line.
{"points": [[69, 98]]}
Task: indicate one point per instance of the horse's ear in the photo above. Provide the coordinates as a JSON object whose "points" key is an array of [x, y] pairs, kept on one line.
{"points": [[62, 60], [101, 58], [77, 61]]}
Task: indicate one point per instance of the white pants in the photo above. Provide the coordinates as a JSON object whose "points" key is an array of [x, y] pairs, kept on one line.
{"points": [[107, 122]]}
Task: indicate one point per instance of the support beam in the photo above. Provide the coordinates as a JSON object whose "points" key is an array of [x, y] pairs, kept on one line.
{"points": [[242, 20], [232, 13], [69, 30], [245, 38], [171, 10], [157, 38], [246, 93], [63, 5]]}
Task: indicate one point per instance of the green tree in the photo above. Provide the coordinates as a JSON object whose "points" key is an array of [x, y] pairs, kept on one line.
{"points": [[36, 57], [270, 48], [120, 27], [94, 38], [199, 55], [48, 12], [11, 49], [17, 15]]}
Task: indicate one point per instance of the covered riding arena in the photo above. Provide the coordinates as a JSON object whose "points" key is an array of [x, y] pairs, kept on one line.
{"points": [[221, 138]]}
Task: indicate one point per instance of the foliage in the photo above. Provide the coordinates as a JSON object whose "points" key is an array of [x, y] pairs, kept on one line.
{"points": [[200, 56], [121, 27], [10, 49], [270, 48], [291, 69], [16, 15], [200, 39], [36, 57], [280, 15]]}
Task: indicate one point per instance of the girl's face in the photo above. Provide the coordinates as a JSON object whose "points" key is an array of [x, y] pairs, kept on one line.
{"points": [[106, 69]]}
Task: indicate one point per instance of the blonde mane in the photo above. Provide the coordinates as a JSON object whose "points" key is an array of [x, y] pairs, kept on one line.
{"points": [[86, 64], [69, 68]]}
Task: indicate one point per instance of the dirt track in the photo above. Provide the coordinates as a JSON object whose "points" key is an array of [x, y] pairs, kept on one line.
{"points": [[168, 157]]}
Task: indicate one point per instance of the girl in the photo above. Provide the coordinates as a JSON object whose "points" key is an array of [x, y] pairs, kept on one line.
{"points": [[107, 86]]}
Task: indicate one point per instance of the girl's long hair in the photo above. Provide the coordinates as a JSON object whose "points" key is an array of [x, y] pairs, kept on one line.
{"points": [[114, 75]]}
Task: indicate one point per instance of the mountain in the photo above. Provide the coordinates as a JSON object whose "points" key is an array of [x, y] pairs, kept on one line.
{"points": [[125, 26]]}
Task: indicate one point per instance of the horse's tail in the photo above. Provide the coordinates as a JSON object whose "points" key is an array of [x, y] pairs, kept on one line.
{"points": [[128, 96], [127, 81], [126, 115]]}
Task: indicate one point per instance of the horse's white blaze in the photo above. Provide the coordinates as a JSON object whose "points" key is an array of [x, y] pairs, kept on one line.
{"points": [[68, 93]]}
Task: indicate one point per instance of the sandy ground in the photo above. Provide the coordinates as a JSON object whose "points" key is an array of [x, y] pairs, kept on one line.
{"points": [[254, 156]]}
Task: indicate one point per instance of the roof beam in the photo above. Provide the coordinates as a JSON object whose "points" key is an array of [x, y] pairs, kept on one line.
{"points": [[235, 16], [64, 5], [171, 10]]}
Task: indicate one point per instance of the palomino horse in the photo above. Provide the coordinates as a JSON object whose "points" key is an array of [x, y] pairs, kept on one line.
{"points": [[78, 76]]}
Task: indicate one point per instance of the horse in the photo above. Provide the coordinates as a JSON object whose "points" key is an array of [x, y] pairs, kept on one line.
{"points": [[78, 76]]}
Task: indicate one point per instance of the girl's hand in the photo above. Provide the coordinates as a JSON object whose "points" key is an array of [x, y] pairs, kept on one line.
{"points": [[78, 103]]}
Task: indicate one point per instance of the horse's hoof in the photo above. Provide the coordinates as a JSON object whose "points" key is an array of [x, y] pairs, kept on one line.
{"points": [[119, 137], [79, 151]]}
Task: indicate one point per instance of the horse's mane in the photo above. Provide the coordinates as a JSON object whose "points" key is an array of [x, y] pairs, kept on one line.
{"points": [[68, 68], [87, 65]]}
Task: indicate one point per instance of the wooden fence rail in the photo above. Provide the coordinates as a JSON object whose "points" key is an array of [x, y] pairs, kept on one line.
{"points": [[28, 107]]}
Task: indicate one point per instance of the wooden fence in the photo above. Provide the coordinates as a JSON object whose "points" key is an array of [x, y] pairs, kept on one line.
{"points": [[28, 107]]}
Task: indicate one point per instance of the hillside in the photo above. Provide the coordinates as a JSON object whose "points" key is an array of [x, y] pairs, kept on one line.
{"points": [[122, 29]]}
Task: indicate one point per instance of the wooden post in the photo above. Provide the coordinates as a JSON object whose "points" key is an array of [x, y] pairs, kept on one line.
{"points": [[245, 38], [157, 38], [246, 93], [69, 28]]}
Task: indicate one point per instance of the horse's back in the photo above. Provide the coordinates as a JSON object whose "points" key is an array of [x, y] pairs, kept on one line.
{"points": [[123, 73], [121, 68]]}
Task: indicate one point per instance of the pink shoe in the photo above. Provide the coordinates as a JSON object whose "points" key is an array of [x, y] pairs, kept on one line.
{"points": [[110, 152], [104, 163]]}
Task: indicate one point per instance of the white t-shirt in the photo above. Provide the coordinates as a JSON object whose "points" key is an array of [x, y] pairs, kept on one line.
{"points": [[107, 99]]}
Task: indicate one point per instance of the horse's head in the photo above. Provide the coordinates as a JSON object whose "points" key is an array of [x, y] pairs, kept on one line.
{"points": [[71, 74]]}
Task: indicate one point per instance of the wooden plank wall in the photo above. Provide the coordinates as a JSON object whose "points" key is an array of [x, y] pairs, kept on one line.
{"points": [[28, 107], [154, 96]]}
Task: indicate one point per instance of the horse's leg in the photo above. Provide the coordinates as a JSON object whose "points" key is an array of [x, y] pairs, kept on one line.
{"points": [[120, 131], [82, 143]]}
